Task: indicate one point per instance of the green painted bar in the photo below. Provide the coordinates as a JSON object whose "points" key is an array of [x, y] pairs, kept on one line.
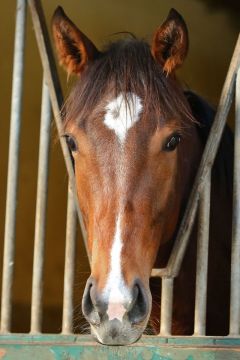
{"points": [[64, 347]]}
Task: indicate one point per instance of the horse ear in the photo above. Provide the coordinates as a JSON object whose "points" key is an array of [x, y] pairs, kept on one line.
{"points": [[74, 49], [170, 42]]}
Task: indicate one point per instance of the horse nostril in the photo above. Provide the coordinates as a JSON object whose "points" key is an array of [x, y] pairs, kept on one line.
{"points": [[88, 306], [139, 310]]}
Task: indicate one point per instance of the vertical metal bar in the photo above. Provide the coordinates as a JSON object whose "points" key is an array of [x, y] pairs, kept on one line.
{"points": [[53, 82], [12, 180], [41, 207], [166, 306], [235, 267], [202, 258], [206, 163], [70, 253]]}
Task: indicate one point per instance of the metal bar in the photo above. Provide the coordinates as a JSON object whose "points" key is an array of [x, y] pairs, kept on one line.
{"points": [[235, 267], [206, 163], [55, 91], [156, 272], [166, 306], [202, 258], [41, 208], [13, 160], [66, 347], [70, 256]]}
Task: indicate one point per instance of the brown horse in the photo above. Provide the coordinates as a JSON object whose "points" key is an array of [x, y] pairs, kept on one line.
{"points": [[136, 139]]}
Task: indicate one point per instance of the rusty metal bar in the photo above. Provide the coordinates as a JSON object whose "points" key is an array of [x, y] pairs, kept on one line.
{"points": [[70, 256], [13, 165], [202, 258], [41, 209], [235, 266], [206, 163], [51, 76], [166, 306]]}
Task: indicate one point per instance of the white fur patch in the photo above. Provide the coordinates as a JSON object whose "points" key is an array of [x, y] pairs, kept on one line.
{"points": [[122, 113], [116, 290]]}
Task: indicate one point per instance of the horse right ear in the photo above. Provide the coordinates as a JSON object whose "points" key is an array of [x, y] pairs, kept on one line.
{"points": [[74, 49], [170, 42]]}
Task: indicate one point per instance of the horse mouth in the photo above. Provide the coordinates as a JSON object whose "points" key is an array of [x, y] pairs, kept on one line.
{"points": [[118, 333]]}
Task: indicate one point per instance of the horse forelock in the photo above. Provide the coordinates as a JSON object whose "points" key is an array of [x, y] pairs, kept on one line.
{"points": [[127, 67]]}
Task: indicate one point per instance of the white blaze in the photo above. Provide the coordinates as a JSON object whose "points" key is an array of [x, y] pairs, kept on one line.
{"points": [[122, 113], [116, 290]]}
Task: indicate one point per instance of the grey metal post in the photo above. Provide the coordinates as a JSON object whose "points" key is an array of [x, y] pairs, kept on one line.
{"points": [[49, 66], [41, 208], [202, 258], [166, 306], [13, 159], [235, 267], [70, 256]]}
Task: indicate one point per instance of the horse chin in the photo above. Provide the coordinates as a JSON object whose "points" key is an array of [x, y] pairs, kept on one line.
{"points": [[115, 332]]}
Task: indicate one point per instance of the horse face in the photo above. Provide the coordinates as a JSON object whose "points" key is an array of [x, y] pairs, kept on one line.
{"points": [[131, 171], [130, 187]]}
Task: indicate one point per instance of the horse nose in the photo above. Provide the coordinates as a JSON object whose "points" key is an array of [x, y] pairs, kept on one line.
{"points": [[139, 309], [97, 308], [92, 309]]}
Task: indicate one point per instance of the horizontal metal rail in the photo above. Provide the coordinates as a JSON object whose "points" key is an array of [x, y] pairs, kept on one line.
{"points": [[58, 346]]}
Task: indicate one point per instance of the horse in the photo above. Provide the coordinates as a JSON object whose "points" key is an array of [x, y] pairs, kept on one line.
{"points": [[136, 137]]}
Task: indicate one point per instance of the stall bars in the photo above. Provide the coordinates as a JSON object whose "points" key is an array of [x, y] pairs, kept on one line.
{"points": [[67, 343]]}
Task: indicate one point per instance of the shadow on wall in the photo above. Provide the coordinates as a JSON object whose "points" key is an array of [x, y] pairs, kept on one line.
{"points": [[232, 7]]}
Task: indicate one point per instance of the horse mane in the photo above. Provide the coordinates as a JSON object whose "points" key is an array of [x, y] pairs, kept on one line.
{"points": [[127, 66]]}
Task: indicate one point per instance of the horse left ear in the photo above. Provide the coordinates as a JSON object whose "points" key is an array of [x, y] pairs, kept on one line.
{"points": [[74, 49], [170, 42]]}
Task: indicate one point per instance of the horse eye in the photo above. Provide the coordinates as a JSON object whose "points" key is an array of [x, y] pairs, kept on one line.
{"points": [[71, 142], [172, 142]]}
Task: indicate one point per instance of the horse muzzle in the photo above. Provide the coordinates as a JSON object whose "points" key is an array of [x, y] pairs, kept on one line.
{"points": [[119, 319]]}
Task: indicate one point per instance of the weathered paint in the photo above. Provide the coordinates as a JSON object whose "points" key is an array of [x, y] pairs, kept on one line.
{"points": [[63, 347], [2, 353]]}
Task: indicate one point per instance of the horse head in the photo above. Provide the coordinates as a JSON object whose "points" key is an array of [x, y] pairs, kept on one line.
{"points": [[133, 142]]}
